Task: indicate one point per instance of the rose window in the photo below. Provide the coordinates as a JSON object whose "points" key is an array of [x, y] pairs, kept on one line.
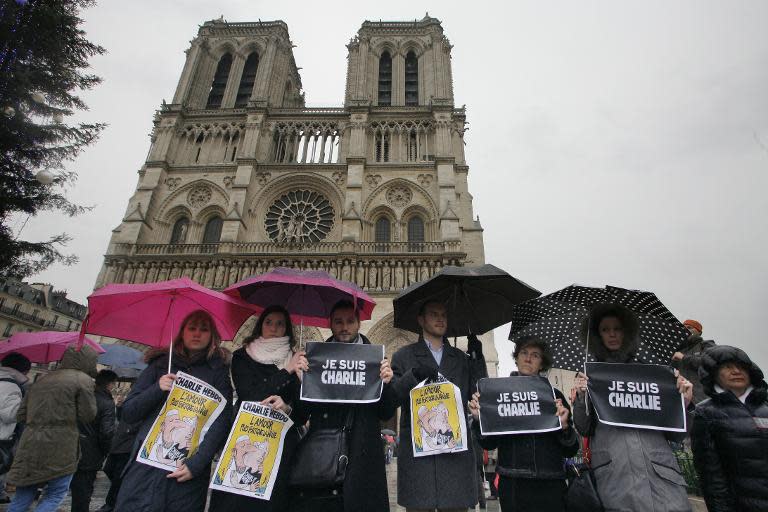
{"points": [[399, 196], [199, 196], [299, 216]]}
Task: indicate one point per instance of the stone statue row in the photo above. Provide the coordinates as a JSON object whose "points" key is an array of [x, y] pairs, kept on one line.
{"points": [[375, 275]]}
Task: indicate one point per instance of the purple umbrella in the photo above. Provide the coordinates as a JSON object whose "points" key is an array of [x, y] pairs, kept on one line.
{"points": [[308, 295]]}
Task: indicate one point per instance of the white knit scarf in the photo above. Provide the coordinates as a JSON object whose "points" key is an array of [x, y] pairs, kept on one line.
{"points": [[276, 351]]}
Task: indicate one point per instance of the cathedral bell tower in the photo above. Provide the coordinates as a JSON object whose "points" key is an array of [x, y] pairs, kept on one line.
{"points": [[242, 177]]}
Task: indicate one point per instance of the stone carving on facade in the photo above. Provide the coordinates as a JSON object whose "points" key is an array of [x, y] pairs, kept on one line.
{"points": [[360, 275], [263, 177], [399, 196], [373, 180], [386, 276], [412, 274], [299, 216], [425, 180], [339, 177], [199, 196], [399, 276], [228, 180], [373, 276], [172, 183]]}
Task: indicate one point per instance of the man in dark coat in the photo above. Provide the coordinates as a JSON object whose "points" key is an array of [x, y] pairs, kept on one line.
{"points": [[95, 440], [730, 432], [688, 357], [118, 458], [446, 481], [365, 482]]}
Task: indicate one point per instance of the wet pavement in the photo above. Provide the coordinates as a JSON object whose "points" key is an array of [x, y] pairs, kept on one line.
{"points": [[102, 486]]}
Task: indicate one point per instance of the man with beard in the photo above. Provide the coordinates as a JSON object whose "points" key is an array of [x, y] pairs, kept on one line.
{"points": [[444, 482]]}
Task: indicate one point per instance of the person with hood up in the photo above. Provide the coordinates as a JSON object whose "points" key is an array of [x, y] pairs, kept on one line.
{"points": [[365, 481], [531, 467], [49, 447], [197, 352], [687, 359], [13, 386], [265, 369], [635, 469], [730, 432]]}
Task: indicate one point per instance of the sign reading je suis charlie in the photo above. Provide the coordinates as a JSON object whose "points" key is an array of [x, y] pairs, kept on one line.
{"points": [[343, 373]]}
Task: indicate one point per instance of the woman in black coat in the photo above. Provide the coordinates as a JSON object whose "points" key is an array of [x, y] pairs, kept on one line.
{"points": [[531, 466], [730, 432], [196, 351], [265, 370]]}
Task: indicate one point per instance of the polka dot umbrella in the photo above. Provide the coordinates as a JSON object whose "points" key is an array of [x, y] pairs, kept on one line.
{"points": [[558, 318]]}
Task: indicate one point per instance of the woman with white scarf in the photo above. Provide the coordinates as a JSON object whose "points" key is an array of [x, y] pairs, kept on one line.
{"points": [[266, 369]]}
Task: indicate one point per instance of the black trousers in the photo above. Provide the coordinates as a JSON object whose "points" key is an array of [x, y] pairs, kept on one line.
{"points": [[528, 494], [319, 500], [114, 470], [81, 488]]}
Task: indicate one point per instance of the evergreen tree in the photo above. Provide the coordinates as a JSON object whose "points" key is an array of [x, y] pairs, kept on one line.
{"points": [[43, 65]]}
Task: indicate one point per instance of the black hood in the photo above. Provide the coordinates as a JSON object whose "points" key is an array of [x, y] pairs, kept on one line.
{"points": [[717, 356], [631, 327]]}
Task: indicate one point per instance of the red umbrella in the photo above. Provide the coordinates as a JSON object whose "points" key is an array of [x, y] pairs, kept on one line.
{"points": [[151, 314], [44, 346]]}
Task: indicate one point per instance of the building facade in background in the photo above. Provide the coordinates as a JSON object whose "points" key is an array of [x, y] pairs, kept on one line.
{"points": [[242, 176], [33, 307]]}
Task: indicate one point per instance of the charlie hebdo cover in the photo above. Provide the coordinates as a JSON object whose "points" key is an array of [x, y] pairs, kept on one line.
{"points": [[189, 411], [252, 454], [438, 424]]}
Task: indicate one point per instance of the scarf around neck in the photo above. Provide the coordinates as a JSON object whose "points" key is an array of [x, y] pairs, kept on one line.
{"points": [[276, 351]]}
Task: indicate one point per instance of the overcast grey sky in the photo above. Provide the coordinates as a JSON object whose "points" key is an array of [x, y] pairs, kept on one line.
{"points": [[621, 143]]}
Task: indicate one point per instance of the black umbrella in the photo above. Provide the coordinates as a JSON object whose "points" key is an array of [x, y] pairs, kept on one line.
{"points": [[558, 319], [477, 299]]}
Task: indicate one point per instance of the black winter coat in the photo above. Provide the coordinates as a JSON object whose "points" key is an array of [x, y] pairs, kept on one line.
{"points": [[447, 480], [730, 441], [96, 436], [537, 456], [254, 382], [146, 488], [365, 485]]}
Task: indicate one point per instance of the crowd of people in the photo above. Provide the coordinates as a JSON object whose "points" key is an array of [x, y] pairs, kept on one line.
{"points": [[63, 426]]}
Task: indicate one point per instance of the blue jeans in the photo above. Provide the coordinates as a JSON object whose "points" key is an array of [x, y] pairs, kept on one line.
{"points": [[54, 493]]}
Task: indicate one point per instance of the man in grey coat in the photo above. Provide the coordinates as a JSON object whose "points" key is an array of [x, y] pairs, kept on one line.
{"points": [[445, 482]]}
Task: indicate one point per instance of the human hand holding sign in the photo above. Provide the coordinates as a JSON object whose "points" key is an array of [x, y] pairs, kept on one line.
{"points": [[563, 413], [474, 405], [166, 381], [685, 387], [580, 384], [386, 372], [182, 474], [277, 402]]}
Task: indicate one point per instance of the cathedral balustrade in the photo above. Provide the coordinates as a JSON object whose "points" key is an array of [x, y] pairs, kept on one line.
{"points": [[276, 248], [311, 141], [405, 141], [375, 273]]}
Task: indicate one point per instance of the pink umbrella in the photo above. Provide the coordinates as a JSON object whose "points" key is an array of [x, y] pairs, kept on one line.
{"points": [[44, 346], [151, 314], [308, 295]]}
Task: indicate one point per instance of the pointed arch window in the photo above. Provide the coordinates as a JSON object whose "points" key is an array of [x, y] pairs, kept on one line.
{"points": [[247, 79], [385, 80], [383, 230], [216, 95], [415, 234], [212, 233], [180, 229], [411, 80]]}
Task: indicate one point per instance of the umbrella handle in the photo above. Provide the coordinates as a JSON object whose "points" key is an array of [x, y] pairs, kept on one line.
{"points": [[170, 347], [586, 354]]}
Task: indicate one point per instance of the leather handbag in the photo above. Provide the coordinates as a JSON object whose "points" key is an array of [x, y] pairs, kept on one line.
{"points": [[582, 487], [322, 457]]}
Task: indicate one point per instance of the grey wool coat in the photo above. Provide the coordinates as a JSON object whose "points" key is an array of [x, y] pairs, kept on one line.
{"points": [[635, 469], [438, 481]]}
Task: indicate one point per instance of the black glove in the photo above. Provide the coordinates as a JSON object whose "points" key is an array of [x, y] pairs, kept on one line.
{"points": [[423, 372], [474, 347]]}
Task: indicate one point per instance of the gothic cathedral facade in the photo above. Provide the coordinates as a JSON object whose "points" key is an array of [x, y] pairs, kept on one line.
{"points": [[242, 177]]}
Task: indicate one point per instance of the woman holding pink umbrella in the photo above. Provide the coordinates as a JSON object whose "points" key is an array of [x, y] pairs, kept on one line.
{"points": [[196, 351]]}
